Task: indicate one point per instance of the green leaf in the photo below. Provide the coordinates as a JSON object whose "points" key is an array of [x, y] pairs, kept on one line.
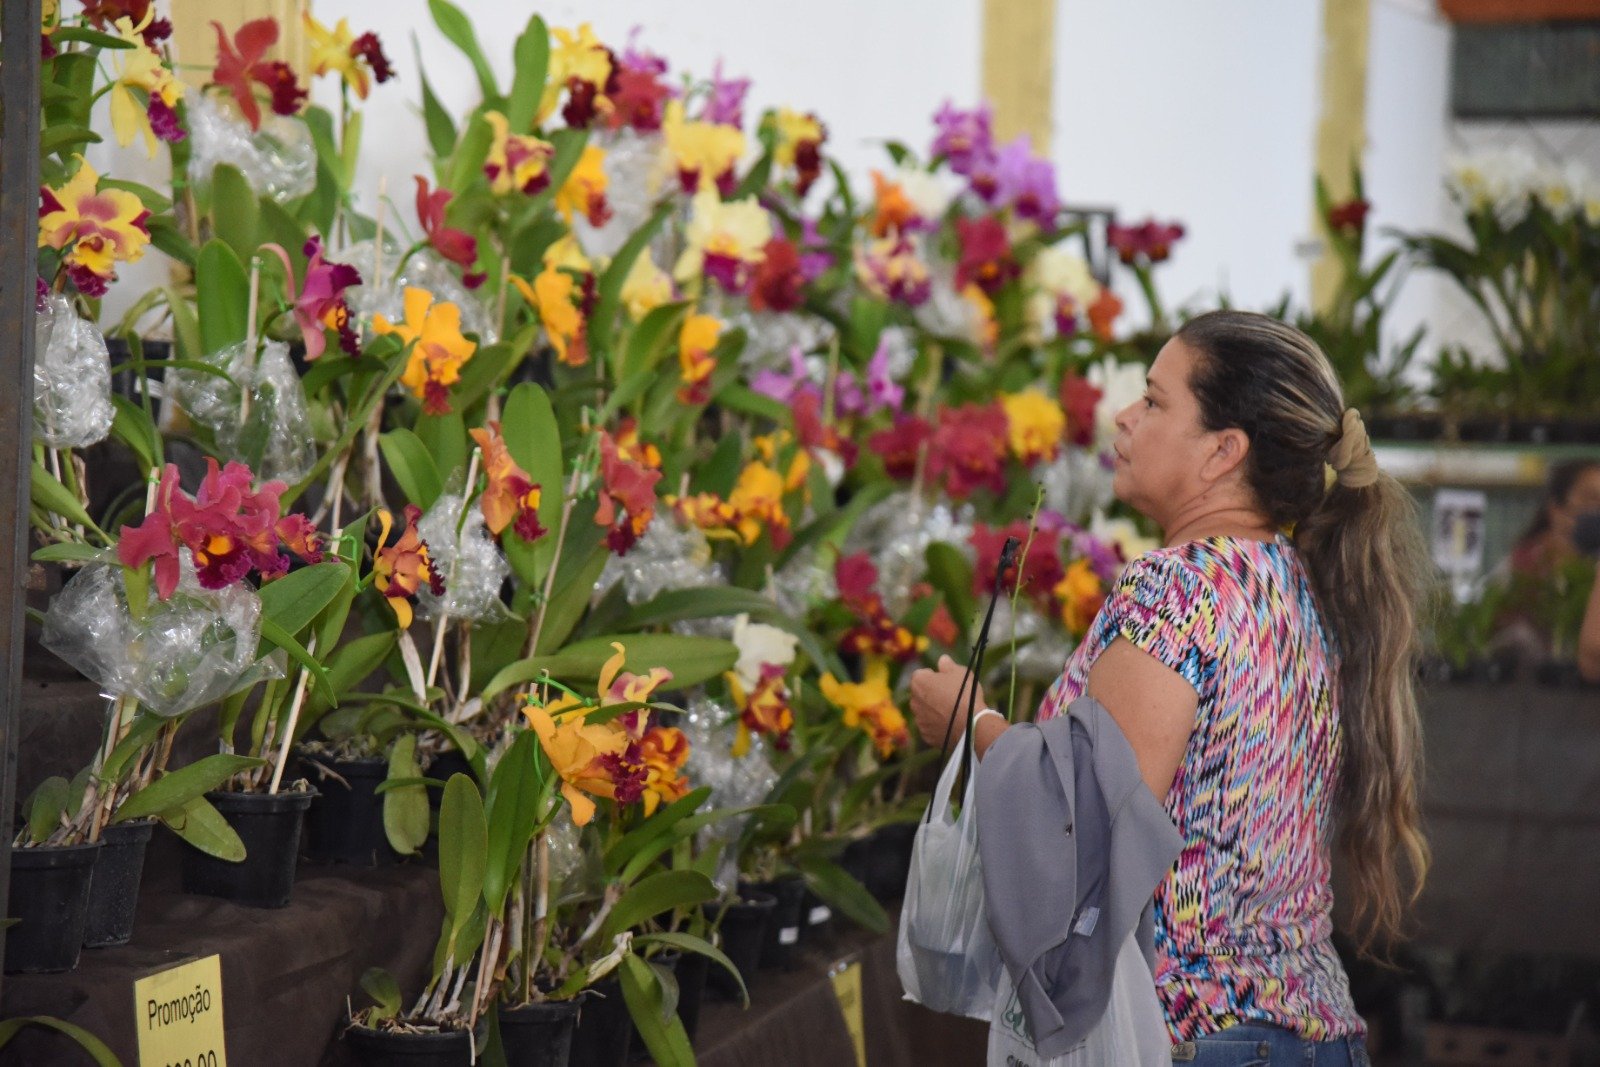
{"points": [[294, 600], [45, 808], [530, 66], [185, 326], [517, 793], [52, 496], [652, 895], [405, 807], [96, 1048], [444, 438], [175, 789], [61, 140], [604, 319], [653, 829], [842, 892], [318, 208], [691, 660], [466, 164], [413, 468], [235, 214], [463, 851], [533, 437], [662, 1030], [951, 574], [457, 28], [687, 828], [134, 428], [223, 297], [69, 552], [352, 663], [570, 598], [746, 401], [699, 946], [441, 130], [350, 150], [203, 826], [380, 985], [143, 731], [273, 634], [91, 37]]}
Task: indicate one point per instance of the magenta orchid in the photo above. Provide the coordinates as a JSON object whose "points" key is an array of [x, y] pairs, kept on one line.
{"points": [[725, 104], [321, 304], [965, 138]]}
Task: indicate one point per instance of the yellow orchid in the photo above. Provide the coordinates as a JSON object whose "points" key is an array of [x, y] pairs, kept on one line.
{"points": [[438, 349], [758, 501], [1081, 594], [620, 687], [566, 254], [696, 340], [587, 756], [868, 705], [138, 66], [551, 295], [725, 240], [646, 287], [96, 228], [794, 129], [516, 162], [334, 50], [705, 152], [762, 710], [575, 54], [1035, 425], [584, 191]]}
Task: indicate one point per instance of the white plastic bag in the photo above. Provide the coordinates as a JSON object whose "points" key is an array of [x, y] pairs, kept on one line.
{"points": [[1131, 1033], [946, 955]]}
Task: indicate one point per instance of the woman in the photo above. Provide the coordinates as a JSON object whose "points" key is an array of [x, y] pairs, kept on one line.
{"points": [[1572, 491], [1260, 665]]}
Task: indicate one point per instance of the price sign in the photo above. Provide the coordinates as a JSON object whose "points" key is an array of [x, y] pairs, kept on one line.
{"points": [[847, 987], [178, 1013]]}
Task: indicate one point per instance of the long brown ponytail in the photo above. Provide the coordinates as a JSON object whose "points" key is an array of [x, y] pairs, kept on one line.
{"points": [[1359, 536]]}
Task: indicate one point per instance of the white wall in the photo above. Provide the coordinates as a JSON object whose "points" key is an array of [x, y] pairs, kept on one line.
{"points": [[1200, 112]]}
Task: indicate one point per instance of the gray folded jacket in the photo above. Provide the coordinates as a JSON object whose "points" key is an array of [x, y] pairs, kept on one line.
{"points": [[1073, 846]]}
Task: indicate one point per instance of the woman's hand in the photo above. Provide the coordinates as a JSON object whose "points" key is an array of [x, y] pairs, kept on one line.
{"points": [[933, 700]]}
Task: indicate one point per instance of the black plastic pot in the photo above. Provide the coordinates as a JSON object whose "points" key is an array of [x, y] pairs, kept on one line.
{"points": [[890, 861], [442, 767], [742, 930], [114, 893], [269, 825], [816, 920], [856, 860], [604, 1031], [538, 1034], [384, 1048], [345, 824], [49, 894], [781, 945], [691, 973]]}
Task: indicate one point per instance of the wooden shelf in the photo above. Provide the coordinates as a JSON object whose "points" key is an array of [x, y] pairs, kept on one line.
{"points": [[1519, 10]]}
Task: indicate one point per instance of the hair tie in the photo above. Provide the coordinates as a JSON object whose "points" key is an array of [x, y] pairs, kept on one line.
{"points": [[1352, 463]]}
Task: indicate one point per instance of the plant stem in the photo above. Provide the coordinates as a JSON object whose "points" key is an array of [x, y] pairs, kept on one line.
{"points": [[550, 578], [294, 717]]}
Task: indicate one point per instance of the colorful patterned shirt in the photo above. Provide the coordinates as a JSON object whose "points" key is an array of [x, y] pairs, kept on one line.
{"points": [[1243, 920]]}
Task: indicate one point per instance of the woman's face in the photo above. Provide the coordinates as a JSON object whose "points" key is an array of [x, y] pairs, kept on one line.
{"points": [[1583, 497], [1160, 444]]}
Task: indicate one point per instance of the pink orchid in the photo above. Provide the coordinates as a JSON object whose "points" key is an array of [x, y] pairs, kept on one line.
{"points": [[321, 302]]}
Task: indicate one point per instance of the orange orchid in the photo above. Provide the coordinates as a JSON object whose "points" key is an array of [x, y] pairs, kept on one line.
{"points": [[762, 710], [663, 751], [511, 498], [551, 294], [399, 570], [587, 756], [1081, 594], [621, 687], [634, 449], [893, 211], [438, 348], [584, 191], [627, 496], [758, 500], [696, 340], [869, 705], [1103, 314]]}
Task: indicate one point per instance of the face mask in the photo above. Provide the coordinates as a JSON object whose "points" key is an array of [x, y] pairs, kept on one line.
{"points": [[1586, 533]]}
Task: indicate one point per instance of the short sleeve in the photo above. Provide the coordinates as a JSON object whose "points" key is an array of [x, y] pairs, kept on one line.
{"points": [[1165, 607]]}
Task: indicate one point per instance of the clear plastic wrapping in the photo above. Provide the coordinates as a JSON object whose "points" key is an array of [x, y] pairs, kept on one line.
{"points": [[471, 564], [735, 781], [278, 160], [635, 174], [71, 378], [667, 556], [802, 584], [1045, 655], [896, 533], [1076, 484], [192, 649], [273, 434], [424, 269]]}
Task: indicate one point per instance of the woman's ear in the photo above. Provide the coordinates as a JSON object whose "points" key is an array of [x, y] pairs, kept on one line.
{"points": [[1228, 452]]}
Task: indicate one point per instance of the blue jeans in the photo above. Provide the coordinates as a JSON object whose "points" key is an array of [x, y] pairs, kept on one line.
{"points": [[1256, 1045]]}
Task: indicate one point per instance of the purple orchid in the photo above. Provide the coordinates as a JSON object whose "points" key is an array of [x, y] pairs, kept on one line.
{"points": [[964, 137], [1027, 182], [780, 386], [726, 103], [815, 259], [884, 390]]}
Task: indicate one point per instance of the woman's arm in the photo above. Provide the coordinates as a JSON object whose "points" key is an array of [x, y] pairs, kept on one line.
{"points": [[1589, 637], [1152, 703]]}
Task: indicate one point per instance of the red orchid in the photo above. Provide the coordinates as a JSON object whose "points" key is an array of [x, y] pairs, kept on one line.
{"points": [[985, 255], [458, 246], [399, 570], [1150, 240], [777, 281], [876, 633], [941, 628], [1079, 398], [321, 303], [243, 61], [104, 13], [856, 579], [900, 445], [968, 449], [228, 529], [813, 433], [627, 496], [1041, 567], [511, 498], [1349, 217], [638, 99]]}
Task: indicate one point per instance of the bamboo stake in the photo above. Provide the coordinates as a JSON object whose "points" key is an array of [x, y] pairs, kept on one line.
{"points": [[294, 716], [455, 561], [250, 337]]}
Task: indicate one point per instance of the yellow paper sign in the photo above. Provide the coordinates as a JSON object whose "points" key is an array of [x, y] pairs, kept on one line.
{"points": [[847, 987], [178, 1013]]}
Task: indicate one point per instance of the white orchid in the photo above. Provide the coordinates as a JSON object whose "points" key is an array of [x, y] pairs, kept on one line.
{"points": [[1120, 384], [1122, 533], [760, 644], [1055, 273]]}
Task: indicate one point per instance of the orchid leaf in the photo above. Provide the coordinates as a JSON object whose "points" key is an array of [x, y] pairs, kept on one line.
{"points": [[463, 852], [457, 28], [660, 1028], [294, 600], [97, 1049], [222, 293], [413, 468], [405, 807], [652, 895], [176, 789], [203, 826], [235, 214], [530, 68], [518, 790]]}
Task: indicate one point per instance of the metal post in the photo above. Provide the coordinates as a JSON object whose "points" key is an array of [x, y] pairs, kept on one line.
{"points": [[19, 238]]}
